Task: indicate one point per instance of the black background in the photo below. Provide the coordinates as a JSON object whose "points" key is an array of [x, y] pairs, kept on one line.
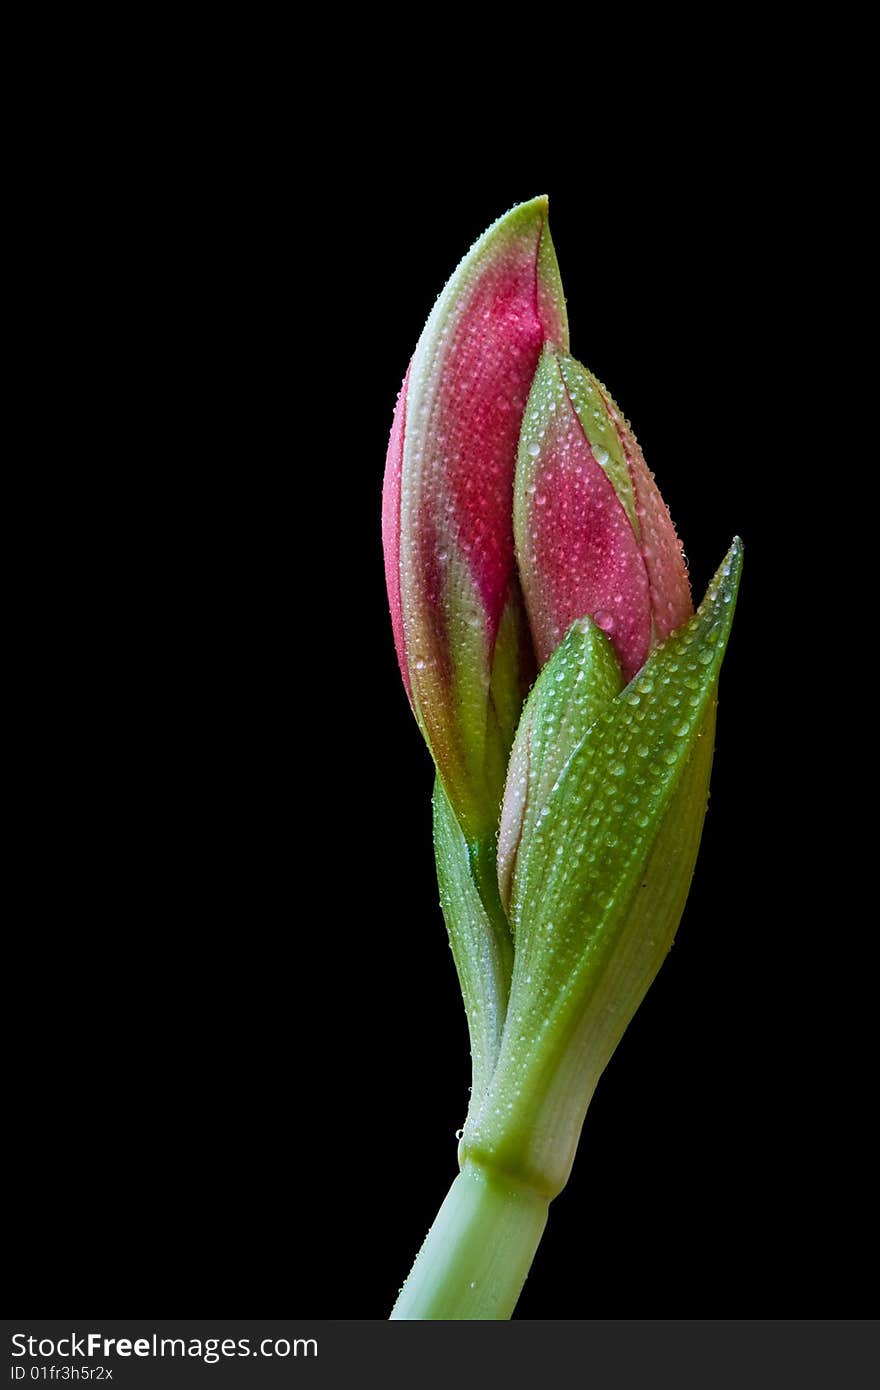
{"points": [[239, 1054]]}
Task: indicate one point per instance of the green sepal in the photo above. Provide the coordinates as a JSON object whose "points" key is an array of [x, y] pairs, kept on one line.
{"points": [[480, 945], [577, 683], [598, 894]]}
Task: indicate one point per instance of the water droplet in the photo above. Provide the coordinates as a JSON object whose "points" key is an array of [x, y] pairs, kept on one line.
{"points": [[534, 450], [601, 456], [604, 620]]}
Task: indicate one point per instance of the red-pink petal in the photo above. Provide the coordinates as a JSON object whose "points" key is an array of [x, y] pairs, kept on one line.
{"points": [[391, 527], [671, 602], [448, 503], [578, 554], [470, 381]]}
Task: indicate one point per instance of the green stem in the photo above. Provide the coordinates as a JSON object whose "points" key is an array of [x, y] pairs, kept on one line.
{"points": [[478, 1252]]}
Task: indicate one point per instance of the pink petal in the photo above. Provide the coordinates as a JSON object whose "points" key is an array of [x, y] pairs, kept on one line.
{"points": [[578, 555], [670, 591], [391, 527], [447, 510], [470, 381]]}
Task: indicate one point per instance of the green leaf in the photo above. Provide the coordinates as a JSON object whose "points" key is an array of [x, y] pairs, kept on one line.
{"points": [[598, 894], [480, 947], [578, 682]]}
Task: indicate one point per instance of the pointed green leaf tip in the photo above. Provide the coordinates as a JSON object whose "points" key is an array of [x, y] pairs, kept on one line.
{"points": [[599, 888], [578, 682]]}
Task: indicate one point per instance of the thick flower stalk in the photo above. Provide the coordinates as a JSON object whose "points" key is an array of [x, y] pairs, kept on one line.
{"points": [[521, 523]]}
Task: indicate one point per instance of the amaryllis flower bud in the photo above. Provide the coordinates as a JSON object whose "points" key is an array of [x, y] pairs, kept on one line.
{"points": [[459, 625], [520, 521], [593, 535]]}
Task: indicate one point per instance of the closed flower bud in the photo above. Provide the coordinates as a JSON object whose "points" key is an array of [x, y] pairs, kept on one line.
{"points": [[593, 535], [459, 626]]}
